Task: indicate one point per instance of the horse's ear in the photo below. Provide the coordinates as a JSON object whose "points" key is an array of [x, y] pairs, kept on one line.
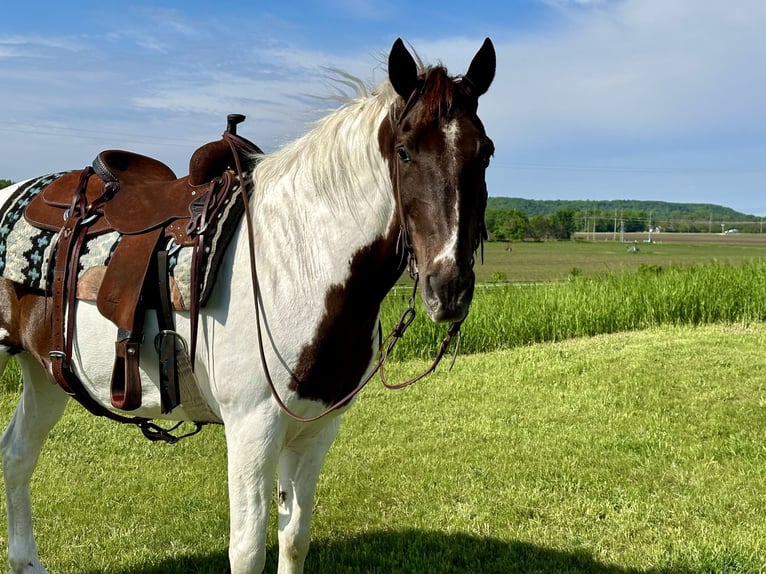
{"points": [[402, 70], [481, 72]]}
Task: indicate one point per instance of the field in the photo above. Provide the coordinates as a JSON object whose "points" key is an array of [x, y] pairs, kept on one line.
{"points": [[556, 260], [641, 452], [752, 239], [630, 441]]}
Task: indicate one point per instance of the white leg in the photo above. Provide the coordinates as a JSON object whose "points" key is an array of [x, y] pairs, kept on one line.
{"points": [[40, 407], [299, 466], [253, 449]]}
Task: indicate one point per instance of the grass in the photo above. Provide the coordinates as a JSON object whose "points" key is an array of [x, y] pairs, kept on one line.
{"points": [[636, 452], [508, 316], [535, 262], [620, 453]]}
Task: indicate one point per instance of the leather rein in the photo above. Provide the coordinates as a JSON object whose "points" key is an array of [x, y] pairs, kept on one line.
{"points": [[387, 345]]}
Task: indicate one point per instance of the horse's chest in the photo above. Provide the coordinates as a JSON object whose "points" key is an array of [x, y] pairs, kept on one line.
{"points": [[340, 347], [335, 360]]}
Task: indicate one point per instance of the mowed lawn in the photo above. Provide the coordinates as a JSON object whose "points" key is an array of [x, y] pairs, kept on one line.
{"points": [[640, 452], [533, 262]]}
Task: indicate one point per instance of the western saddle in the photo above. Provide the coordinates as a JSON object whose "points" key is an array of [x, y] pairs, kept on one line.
{"points": [[141, 199]]}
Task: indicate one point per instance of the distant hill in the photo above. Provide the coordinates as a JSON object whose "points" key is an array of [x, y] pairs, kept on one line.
{"points": [[659, 210], [514, 218]]}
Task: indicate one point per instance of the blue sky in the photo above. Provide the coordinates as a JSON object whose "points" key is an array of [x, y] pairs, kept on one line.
{"points": [[593, 99]]}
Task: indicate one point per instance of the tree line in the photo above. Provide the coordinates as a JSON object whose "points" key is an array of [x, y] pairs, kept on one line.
{"points": [[516, 219]]}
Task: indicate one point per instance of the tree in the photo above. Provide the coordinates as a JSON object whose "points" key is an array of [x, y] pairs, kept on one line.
{"points": [[538, 227], [5, 183], [561, 225], [506, 224]]}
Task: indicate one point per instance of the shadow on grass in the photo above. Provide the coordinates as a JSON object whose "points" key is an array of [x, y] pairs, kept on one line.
{"points": [[415, 552]]}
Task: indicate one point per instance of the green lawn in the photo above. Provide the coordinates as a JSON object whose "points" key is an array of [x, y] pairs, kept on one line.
{"points": [[556, 260], [639, 452]]}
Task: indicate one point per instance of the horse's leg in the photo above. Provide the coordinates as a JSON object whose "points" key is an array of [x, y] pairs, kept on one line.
{"points": [[299, 466], [253, 444], [40, 407]]}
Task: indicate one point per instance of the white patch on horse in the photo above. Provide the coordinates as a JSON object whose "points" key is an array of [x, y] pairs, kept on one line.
{"points": [[449, 251], [7, 192]]}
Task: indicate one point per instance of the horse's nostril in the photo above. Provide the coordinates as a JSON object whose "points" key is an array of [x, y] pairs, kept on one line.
{"points": [[446, 296], [433, 285]]}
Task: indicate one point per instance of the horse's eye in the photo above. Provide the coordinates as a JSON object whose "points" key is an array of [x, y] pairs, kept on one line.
{"points": [[403, 154]]}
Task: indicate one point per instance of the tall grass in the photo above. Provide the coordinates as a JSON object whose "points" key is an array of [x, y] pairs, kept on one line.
{"points": [[509, 316], [512, 315]]}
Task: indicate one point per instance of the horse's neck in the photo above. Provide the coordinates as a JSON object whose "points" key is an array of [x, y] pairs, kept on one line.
{"points": [[321, 205], [305, 243], [322, 272]]}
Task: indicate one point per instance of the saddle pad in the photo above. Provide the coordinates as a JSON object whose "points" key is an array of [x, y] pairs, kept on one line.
{"points": [[25, 251]]}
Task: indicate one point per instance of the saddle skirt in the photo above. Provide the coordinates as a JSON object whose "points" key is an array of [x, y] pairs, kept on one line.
{"points": [[26, 251]]}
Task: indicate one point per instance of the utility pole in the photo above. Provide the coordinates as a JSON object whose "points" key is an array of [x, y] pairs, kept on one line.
{"points": [[622, 227]]}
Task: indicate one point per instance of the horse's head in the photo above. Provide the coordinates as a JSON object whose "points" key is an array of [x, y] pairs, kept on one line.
{"points": [[438, 152]]}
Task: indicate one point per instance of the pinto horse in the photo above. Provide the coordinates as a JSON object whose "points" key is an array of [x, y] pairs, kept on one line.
{"points": [[388, 178]]}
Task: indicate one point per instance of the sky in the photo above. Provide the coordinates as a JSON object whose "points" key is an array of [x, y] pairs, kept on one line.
{"points": [[593, 99]]}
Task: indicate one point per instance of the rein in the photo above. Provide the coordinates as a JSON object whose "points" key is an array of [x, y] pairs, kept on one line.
{"points": [[387, 344], [405, 320]]}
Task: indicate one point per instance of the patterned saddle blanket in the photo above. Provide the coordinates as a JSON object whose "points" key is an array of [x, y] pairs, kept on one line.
{"points": [[26, 251]]}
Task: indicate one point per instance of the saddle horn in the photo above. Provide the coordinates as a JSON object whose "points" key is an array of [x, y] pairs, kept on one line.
{"points": [[232, 120]]}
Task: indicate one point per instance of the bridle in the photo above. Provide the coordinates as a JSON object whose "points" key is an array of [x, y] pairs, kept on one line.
{"points": [[386, 345]]}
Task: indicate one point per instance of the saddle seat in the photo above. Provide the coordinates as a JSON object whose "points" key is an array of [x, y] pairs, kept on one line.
{"points": [[142, 199], [151, 195]]}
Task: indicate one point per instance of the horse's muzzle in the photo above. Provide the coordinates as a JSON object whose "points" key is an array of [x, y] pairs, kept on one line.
{"points": [[447, 295]]}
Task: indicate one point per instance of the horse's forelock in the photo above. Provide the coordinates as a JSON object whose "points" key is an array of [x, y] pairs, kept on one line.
{"points": [[438, 95], [437, 92]]}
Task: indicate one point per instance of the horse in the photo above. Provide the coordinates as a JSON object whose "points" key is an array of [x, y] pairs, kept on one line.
{"points": [[390, 179]]}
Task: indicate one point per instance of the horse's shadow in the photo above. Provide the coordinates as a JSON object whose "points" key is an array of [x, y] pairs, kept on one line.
{"points": [[416, 551]]}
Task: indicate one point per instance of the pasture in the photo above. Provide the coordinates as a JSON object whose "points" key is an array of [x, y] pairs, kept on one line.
{"points": [[533, 262], [639, 452], [638, 448]]}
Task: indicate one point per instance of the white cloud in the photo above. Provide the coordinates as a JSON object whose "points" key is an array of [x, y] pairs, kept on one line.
{"points": [[635, 68], [637, 80], [33, 46]]}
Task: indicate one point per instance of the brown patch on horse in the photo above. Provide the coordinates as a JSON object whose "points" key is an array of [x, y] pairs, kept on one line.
{"points": [[439, 94], [442, 94], [333, 363], [25, 315]]}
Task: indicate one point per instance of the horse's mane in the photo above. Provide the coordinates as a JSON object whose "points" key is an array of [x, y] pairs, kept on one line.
{"points": [[340, 147], [344, 144]]}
